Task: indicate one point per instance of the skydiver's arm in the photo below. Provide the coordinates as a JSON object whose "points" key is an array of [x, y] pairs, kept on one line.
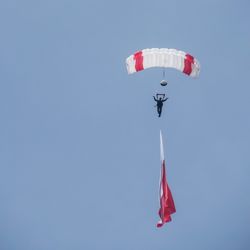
{"points": [[165, 99], [155, 99]]}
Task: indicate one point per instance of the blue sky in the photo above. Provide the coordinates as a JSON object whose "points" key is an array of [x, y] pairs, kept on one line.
{"points": [[79, 148]]}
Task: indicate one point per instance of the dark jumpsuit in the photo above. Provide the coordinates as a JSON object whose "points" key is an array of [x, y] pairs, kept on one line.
{"points": [[159, 105]]}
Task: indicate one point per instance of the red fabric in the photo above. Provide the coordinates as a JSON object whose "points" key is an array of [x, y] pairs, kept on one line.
{"points": [[138, 57], [167, 206], [189, 60]]}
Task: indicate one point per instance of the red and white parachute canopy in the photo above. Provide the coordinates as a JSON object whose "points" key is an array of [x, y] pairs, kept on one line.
{"points": [[165, 58]]}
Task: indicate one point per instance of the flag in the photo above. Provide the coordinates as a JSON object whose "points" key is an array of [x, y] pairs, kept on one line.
{"points": [[167, 206]]}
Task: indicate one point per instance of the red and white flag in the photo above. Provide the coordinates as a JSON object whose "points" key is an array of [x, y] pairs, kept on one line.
{"points": [[167, 206]]}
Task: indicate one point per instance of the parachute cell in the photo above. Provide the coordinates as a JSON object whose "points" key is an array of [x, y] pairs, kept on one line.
{"points": [[164, 58]]}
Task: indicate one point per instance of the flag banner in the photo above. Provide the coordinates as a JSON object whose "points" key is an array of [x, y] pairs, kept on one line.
{"points": [[167, 206]]}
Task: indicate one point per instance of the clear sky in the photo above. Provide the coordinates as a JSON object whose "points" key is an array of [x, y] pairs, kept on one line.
{"points": [[79, 138]]}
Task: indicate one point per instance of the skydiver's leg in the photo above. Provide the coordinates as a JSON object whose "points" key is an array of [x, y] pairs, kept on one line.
{"points": [[159, 110]]}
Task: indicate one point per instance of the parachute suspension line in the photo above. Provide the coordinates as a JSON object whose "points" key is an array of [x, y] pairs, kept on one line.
{"points": [[163, 74], [163, 81]]}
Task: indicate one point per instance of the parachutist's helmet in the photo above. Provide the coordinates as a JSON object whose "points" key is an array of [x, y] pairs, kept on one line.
{"points": [[163, 83]]}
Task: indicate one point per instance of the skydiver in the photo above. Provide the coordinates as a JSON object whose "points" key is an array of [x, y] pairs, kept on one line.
{"points": [[159, 104]]}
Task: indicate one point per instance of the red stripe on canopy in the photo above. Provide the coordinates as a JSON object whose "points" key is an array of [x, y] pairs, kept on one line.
{"points": [[138, 57], [189, 60]]}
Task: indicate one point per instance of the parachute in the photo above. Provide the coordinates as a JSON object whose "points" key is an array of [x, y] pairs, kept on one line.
{"points": [[164, 58]]}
